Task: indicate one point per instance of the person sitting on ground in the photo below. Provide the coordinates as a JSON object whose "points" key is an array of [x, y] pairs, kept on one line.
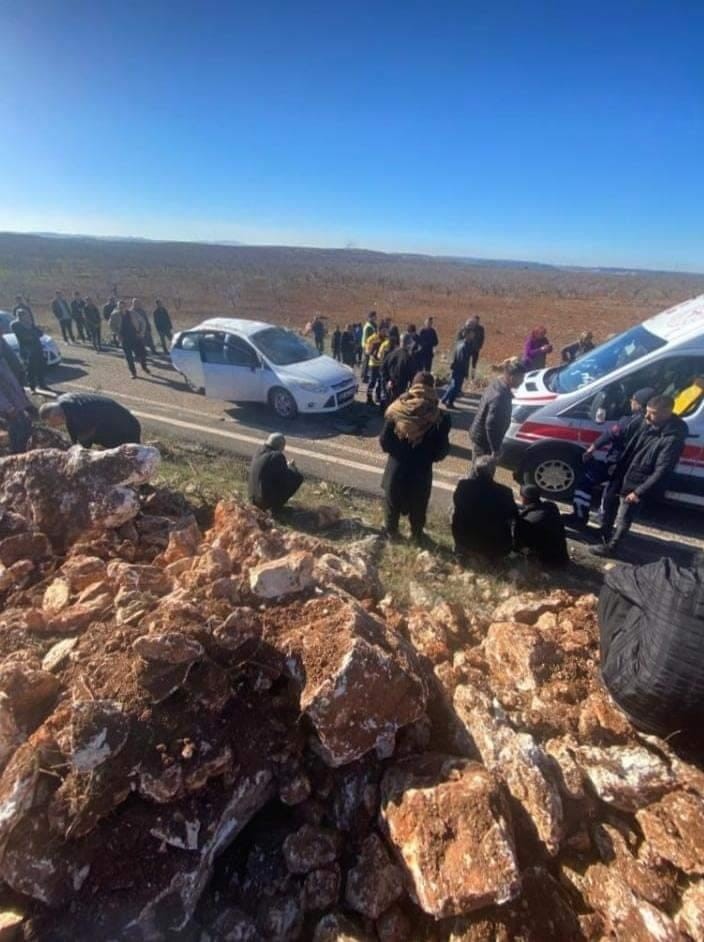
{"points": [[572, 351], [484, 512], [688, 400], [272, 479], [651, 621], [92, 419], [416, 434], [493, 415], [594, 472], [539, 528]]}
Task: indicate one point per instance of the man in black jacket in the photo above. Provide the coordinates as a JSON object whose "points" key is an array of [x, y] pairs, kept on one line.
{"points": [[272, 479], [91, 419], [652, 446], [162, 323], [428, 341], [30, 347], [398, 369], [62, 312], [651, 621], [91, 316], [474, 330], [108, 308], [484, 513], [494, 412], [539, 528], [77, 307], [459, 369]]}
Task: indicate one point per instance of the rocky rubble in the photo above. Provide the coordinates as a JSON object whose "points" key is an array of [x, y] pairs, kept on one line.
{"points": [[217, 733]]}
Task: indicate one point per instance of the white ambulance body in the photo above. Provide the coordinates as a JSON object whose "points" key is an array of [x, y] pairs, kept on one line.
{"points": [[555, 410]]}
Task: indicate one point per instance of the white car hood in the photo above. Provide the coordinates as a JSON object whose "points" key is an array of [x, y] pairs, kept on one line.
{"points": [[323, 370], [533, 390], [11, 340]]}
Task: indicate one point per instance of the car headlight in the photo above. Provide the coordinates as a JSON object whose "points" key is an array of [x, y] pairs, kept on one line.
{"points": [[310, 385]]}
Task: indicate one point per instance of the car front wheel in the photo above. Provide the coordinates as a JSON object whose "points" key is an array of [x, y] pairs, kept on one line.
{"points": [[554, 472], [283, 403]]}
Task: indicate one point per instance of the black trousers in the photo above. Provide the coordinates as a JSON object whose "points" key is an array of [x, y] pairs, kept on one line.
{"points": [[19, 430], [408, 498], [618, 515], [135, 351], [34, 367], [94, 335], [67, 331], [80, 327], [165, 335]]}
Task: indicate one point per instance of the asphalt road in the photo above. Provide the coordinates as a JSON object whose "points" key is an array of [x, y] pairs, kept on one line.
{"points": [[342, 448]]}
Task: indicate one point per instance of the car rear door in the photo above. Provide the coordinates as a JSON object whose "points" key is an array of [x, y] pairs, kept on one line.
{"points": [[231, 368]]}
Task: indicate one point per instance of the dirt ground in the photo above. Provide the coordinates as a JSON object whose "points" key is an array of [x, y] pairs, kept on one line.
{"points": [[288, 285]]}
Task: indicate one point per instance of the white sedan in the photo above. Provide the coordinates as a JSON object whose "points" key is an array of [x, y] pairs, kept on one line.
{"points": [[250, 361], [52, 354]]}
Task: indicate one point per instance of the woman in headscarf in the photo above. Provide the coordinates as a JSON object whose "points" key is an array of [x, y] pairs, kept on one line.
{"points": [[536, 349], [416, 434]]}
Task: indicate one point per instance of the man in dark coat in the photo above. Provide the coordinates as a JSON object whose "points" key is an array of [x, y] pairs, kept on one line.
{"points": [[91, 419], [108, 308], [416, 434], [651, 622], [335, 343], [130, 339], [30, 346], [272, 479], [398, 369], [77, 308], [475, 331], [163, 325], [484, 513], [348, 346], [494, 411], [91, 316], [459, 370], [62, 312], [652, 447], [539, 528], [428, 341]]}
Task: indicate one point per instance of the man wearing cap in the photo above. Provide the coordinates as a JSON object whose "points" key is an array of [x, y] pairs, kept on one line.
{"points": [[597, 472], [272, 479], [539, 529]]}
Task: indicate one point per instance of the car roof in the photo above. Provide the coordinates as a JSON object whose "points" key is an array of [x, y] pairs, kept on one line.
{"points": [[682, 322], [235, 324]]}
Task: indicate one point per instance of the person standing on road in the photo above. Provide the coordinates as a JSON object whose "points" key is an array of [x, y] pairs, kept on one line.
{"points": [[459, 369], [427, 341], [142, 325], [91, 315], [484, 513], [539, 529], [163, 325], [22, 304], [397, 369], [272, 480], [374, 354], [30, 347], [494, 412], [536, 349], [348, 346], [115, 323], [130, 339], [475, 329], [77, 307], [595, 472], [62, 313], [108, 308], [583, 345], [369, 328], [415, 436], [14, 404], [318, 330], [652, 447], [91, 419], [335, 343]]}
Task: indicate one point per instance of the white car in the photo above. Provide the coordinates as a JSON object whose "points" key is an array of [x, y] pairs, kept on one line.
{"points": [[52, 354], [250, 361]]}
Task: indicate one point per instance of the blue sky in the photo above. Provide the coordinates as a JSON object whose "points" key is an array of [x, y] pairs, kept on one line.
{"points": [[562, 131]]}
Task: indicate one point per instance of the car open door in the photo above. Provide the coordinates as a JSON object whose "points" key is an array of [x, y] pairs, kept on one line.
{"points": [[231, 368], [185, 356]]}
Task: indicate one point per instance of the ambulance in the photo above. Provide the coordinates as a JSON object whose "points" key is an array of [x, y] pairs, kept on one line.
{"points": [[558, 412]]}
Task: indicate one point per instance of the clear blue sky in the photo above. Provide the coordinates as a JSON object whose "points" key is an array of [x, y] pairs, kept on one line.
{"points": [[559, 131]]}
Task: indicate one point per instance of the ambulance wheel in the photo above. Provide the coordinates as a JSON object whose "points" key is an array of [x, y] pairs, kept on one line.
{"points": [[554, 471]]}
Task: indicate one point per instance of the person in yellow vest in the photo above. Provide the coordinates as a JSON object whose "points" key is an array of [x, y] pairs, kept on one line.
{"points": [[688, 400]]}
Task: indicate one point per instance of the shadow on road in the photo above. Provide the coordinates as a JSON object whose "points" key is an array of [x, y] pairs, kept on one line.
{"points": [[357, 420]]}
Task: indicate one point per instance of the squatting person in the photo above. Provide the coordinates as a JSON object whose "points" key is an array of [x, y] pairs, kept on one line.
{"points": [[91, 419], [272, 479]]}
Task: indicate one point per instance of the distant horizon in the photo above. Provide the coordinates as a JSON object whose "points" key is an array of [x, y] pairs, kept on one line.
{"points": [[225, 243]]}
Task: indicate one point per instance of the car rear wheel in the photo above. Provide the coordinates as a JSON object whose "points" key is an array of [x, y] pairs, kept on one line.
{"points": [[554, 472], [283, 403]]}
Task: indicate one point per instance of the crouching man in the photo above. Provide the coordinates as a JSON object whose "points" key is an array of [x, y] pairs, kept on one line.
{"points": [[540, 530], [91, 419], [272, 479], [651, 621]]}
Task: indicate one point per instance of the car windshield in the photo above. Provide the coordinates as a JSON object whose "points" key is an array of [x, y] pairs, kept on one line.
{"points": [[604, 359], [283, 347]]}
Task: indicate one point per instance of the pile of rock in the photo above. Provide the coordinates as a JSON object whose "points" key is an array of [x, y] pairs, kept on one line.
{"points": [[223, 736]]}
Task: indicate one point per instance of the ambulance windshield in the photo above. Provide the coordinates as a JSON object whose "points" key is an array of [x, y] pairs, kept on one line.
{"points": [[604, 359]]}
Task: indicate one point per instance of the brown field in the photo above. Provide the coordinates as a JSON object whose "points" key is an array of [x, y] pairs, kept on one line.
{"points": [[287, 285]]}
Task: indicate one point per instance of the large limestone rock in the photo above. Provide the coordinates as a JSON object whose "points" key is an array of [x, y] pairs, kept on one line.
{"points": [[627, 777], [519, 761], [375, 882], [281, 577], [349, 666], [65, 494], [674, 831], [449, 822]]}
